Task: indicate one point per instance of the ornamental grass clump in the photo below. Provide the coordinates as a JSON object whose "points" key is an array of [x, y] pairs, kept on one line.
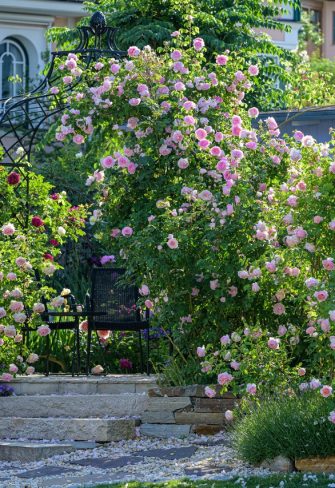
{"points": [[293, 426]]}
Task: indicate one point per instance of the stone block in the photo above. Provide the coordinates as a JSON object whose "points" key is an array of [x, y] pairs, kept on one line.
{"points": [[316, 465], [167, 403], [165, 430], [280, 464], [190, 390], [159, 417], [204, 429], [80, 406], [27, 452], [100, 430], [214, 405], [199, 418]]}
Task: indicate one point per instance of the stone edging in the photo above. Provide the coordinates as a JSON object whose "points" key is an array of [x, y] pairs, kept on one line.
{"points": [[180, 411]]}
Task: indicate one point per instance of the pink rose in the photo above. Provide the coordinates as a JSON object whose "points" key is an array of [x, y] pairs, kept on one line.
{"points": [[149, 304], [332, 417], [251, 389], [43, 330], [273, 343], [6, 377], [278, 309], [83, 326], [127, 231], [198, 44], [133, 51], [172, 243], [328, 264], [221, 60], [209, 392], [253, 70], [326, 391], [8, 229], [201, 352], [30, 370], [321, 295], [13, 368], [224, 378], [225, 340]]}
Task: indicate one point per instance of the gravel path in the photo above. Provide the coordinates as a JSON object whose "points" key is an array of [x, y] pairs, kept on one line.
{"points": [[143, 459]]}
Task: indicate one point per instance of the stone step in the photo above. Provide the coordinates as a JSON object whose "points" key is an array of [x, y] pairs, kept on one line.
{"points": [[88, 429], [79, 406], [82, 385], [28, 451]]}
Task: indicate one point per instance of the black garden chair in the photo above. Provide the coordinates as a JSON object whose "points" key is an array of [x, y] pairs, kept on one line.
{"points": [[68, 319], [113, 306]]}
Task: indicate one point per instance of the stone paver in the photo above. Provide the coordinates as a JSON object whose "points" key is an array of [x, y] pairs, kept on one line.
{"points": [[142, 459], [107, 463], [45, 471], [178, 453]]}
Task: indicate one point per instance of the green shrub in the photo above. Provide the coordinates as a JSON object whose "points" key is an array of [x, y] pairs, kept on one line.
{"points": [[296, 427]]}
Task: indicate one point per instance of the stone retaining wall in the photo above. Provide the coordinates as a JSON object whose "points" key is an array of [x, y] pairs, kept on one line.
{"points": [[180, 411]]}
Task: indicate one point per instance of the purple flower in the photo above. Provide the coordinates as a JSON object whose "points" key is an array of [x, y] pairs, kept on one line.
{"points": [[125, 363]]}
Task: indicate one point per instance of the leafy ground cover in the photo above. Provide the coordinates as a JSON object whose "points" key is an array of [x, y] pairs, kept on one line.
{"points": [[280, 481]]}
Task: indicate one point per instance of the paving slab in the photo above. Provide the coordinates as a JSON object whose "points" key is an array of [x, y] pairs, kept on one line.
{"points": [[175, 453], [45, 471], [108, 463], [31, 451], [82, 480]]}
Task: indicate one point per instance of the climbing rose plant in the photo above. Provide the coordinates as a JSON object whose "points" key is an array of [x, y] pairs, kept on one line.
{"points": [[226, 225], [29, 253]]}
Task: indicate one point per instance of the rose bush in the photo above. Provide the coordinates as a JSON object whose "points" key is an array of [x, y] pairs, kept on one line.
{"points": [[226, 227], [29, 247]]}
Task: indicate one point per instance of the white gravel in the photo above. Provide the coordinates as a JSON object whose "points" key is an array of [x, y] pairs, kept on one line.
{"points": [[218, 457]]}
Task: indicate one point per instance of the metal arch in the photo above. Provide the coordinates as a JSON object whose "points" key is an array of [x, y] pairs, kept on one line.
{"points": [[22, 116]]}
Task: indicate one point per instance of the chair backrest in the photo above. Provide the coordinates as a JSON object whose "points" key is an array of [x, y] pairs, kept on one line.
{"points": [[111, 295]]}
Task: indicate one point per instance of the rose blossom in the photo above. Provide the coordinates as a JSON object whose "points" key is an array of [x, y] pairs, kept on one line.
{"points": [[321, 295], [273, 343], [332, 417], [198, 44], [278, 309], [8, 229], [172, 243], [43, 330], [224, 378], [251, 388], [326, 391], [30, 370], [127, 231], [201, 352], [13, 368], [209, 392]]}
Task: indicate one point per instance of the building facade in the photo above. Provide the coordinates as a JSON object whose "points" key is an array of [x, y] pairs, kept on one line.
{"points": [[23, 45]]}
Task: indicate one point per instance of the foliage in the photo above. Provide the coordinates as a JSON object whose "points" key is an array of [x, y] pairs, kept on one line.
{"points": [[224, 25], [294, 427], [32, 231], [221, 224], [293, 480]]}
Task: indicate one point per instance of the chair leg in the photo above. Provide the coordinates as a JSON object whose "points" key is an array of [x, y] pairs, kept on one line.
{"points": [[47, 355], [78, 349], [148, 352], [89, 337], [141, 350]]}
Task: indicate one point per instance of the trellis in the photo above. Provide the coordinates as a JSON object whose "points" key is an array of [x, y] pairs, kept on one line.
{"points": [[23, 116]]}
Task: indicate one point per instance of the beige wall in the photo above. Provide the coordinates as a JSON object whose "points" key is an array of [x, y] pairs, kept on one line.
{"points": [[328, 50]]}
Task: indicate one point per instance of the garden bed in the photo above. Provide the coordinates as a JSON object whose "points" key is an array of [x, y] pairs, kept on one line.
{"points": [[180, 411]]}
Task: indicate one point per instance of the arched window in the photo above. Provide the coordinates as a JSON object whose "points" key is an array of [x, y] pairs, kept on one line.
{"points": [[13, 63]]}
